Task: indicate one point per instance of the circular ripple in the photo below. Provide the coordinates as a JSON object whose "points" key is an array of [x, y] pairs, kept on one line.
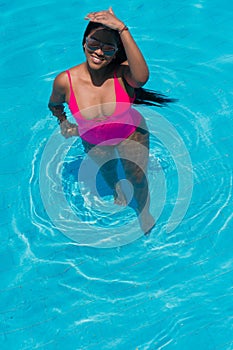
{"points": [[76, 206]]}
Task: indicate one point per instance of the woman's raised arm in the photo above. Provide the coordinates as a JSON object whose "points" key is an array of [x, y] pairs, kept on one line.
{"points": [[137, 73]]}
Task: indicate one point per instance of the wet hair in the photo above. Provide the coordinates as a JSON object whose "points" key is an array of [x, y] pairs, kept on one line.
{"points": [[151, 98], [142, 95]]}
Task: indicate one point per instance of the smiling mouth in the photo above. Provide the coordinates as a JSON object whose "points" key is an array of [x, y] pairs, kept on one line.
{"points": [[97, 59]]}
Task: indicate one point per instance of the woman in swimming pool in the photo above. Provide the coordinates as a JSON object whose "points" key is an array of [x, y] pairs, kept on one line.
{"points": [[99, 93]]}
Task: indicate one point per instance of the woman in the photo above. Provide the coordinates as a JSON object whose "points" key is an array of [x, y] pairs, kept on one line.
{"points": [[114, 69]]}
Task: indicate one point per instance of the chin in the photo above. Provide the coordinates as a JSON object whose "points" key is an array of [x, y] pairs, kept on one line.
{"points": [[97, 66]]}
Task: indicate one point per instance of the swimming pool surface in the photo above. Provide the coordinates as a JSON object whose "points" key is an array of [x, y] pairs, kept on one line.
{"points": [[170, 290]]}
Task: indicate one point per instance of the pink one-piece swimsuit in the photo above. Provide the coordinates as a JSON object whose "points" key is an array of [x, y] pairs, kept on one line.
{"points": [[114, 128]]}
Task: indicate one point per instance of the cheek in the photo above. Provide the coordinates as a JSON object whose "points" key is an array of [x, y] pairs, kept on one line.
{"points": [[111, 58], [85, 50]]}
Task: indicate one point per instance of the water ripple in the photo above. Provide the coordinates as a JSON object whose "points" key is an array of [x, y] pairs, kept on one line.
{"points": [[167, 290]]}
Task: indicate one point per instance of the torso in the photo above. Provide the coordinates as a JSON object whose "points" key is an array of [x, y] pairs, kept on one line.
{"points": [[103, 112], [95, 100]]}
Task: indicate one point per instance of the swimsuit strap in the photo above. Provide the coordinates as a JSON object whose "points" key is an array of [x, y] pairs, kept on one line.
{"points": [[68, 73], [72, 102], [121, 94]]}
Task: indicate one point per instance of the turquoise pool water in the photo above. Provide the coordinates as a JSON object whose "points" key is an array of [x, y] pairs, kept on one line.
{"points": [[171, 290]]}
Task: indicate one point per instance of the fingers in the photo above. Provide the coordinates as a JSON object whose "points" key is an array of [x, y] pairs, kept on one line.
{"points": [[98, 18], [69, 129], [111, 10], [99, 14], [107, 18]]}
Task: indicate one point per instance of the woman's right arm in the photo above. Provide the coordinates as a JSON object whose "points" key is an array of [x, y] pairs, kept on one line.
{"points": [[56, 106], [58, 98]]}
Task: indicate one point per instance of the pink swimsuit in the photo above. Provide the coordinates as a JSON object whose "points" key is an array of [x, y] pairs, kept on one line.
{"points": [[109, 130]]}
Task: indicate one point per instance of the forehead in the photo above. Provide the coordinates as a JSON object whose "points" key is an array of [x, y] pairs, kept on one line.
{"points": [[104, 35]]}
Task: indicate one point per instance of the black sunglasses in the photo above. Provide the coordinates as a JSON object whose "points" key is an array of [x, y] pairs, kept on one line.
{"points": [[94, 44]]}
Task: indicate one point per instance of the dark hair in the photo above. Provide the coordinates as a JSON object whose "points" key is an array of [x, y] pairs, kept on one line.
{"points": [[120, 54], [142, 95]]}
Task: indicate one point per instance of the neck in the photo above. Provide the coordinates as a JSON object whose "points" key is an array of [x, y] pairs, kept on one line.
{"points": [[99, 76]]}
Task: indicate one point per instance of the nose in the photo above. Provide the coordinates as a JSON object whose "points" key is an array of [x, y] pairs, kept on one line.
{"points": [[99, 51]]}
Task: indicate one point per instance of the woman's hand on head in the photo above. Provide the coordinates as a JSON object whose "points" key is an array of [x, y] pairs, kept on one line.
{"points": [[107, 18]]}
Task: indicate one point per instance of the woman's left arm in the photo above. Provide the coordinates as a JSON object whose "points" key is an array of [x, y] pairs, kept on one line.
{"points": [[136, 73]]}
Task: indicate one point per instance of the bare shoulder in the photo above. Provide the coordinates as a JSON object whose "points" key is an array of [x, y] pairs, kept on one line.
{"points": [[76, 70], [123, 72], [62, 79], [126, 74], [122, 69]]}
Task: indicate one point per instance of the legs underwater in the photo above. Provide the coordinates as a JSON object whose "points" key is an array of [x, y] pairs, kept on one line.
{"points": [[133, 152]]}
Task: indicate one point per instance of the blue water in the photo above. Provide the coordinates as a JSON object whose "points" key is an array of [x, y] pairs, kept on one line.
{"points": [[166, 291]]}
